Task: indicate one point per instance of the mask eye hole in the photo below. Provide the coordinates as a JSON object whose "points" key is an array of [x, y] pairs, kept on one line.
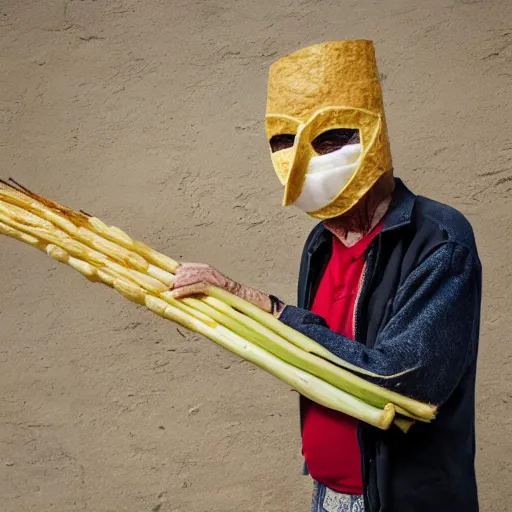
{"points": [[283, 141], [331, 140]]}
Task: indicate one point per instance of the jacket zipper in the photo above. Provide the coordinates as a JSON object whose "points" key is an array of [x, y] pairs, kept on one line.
{"points": [[357, 307], [308, 291], [358, 297], [369, 264]]}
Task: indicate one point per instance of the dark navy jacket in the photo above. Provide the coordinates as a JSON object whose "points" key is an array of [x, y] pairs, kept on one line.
{"points": [[418, 312]]}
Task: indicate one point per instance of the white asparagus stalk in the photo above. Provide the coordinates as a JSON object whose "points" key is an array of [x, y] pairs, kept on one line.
{"points": [[305, 383], [320, 360], [102, 246]]}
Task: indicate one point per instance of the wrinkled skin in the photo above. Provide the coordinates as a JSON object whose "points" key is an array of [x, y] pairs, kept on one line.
{"points": [[194, 278], [359, 218]]}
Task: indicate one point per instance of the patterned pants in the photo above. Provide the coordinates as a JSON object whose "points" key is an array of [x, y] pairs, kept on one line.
{"points": [[326, 500]]}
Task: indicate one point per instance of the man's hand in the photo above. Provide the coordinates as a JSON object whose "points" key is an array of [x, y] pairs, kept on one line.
{"points": [[195, 278]]}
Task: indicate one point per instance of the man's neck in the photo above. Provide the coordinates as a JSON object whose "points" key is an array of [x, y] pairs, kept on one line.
{"points": [[350, 227]]}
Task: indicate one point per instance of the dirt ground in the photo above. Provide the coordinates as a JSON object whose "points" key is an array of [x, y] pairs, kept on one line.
{"points": [[150, 116]]}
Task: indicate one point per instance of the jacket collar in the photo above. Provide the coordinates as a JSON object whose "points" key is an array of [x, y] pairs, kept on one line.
{"points": [[399, 214], [400, 210]]}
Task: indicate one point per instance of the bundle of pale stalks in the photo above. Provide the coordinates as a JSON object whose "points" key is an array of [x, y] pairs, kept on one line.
{"points": [[108, 255]]}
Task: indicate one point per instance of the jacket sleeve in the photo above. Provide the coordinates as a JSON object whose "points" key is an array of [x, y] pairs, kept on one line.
{"points": [[431, 338]]}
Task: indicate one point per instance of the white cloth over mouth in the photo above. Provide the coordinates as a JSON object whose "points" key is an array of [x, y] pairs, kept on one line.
{"points": [[327, 176]]}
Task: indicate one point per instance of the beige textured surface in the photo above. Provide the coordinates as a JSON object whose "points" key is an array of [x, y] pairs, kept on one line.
{"points": [[150, 115]]}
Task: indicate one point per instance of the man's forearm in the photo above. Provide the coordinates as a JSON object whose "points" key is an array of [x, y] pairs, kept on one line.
{"points": [[425, 346]]}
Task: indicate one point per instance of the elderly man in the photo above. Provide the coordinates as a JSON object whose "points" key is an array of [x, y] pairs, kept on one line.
{"points": [[389, 281]]}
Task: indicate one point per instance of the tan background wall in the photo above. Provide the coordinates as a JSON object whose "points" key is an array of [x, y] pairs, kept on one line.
{"points": [[150, 115]]}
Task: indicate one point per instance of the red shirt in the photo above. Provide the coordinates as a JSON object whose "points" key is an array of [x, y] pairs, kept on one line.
{"points": [[329, 438]]}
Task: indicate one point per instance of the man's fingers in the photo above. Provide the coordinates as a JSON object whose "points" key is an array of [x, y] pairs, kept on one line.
{"points": [[188, 280], [192, 265], [190, 290], [192, 274]]}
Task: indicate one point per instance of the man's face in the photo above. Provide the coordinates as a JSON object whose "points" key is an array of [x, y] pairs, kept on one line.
{"points": [[337, 154], [325, 126], [326, 142]]}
